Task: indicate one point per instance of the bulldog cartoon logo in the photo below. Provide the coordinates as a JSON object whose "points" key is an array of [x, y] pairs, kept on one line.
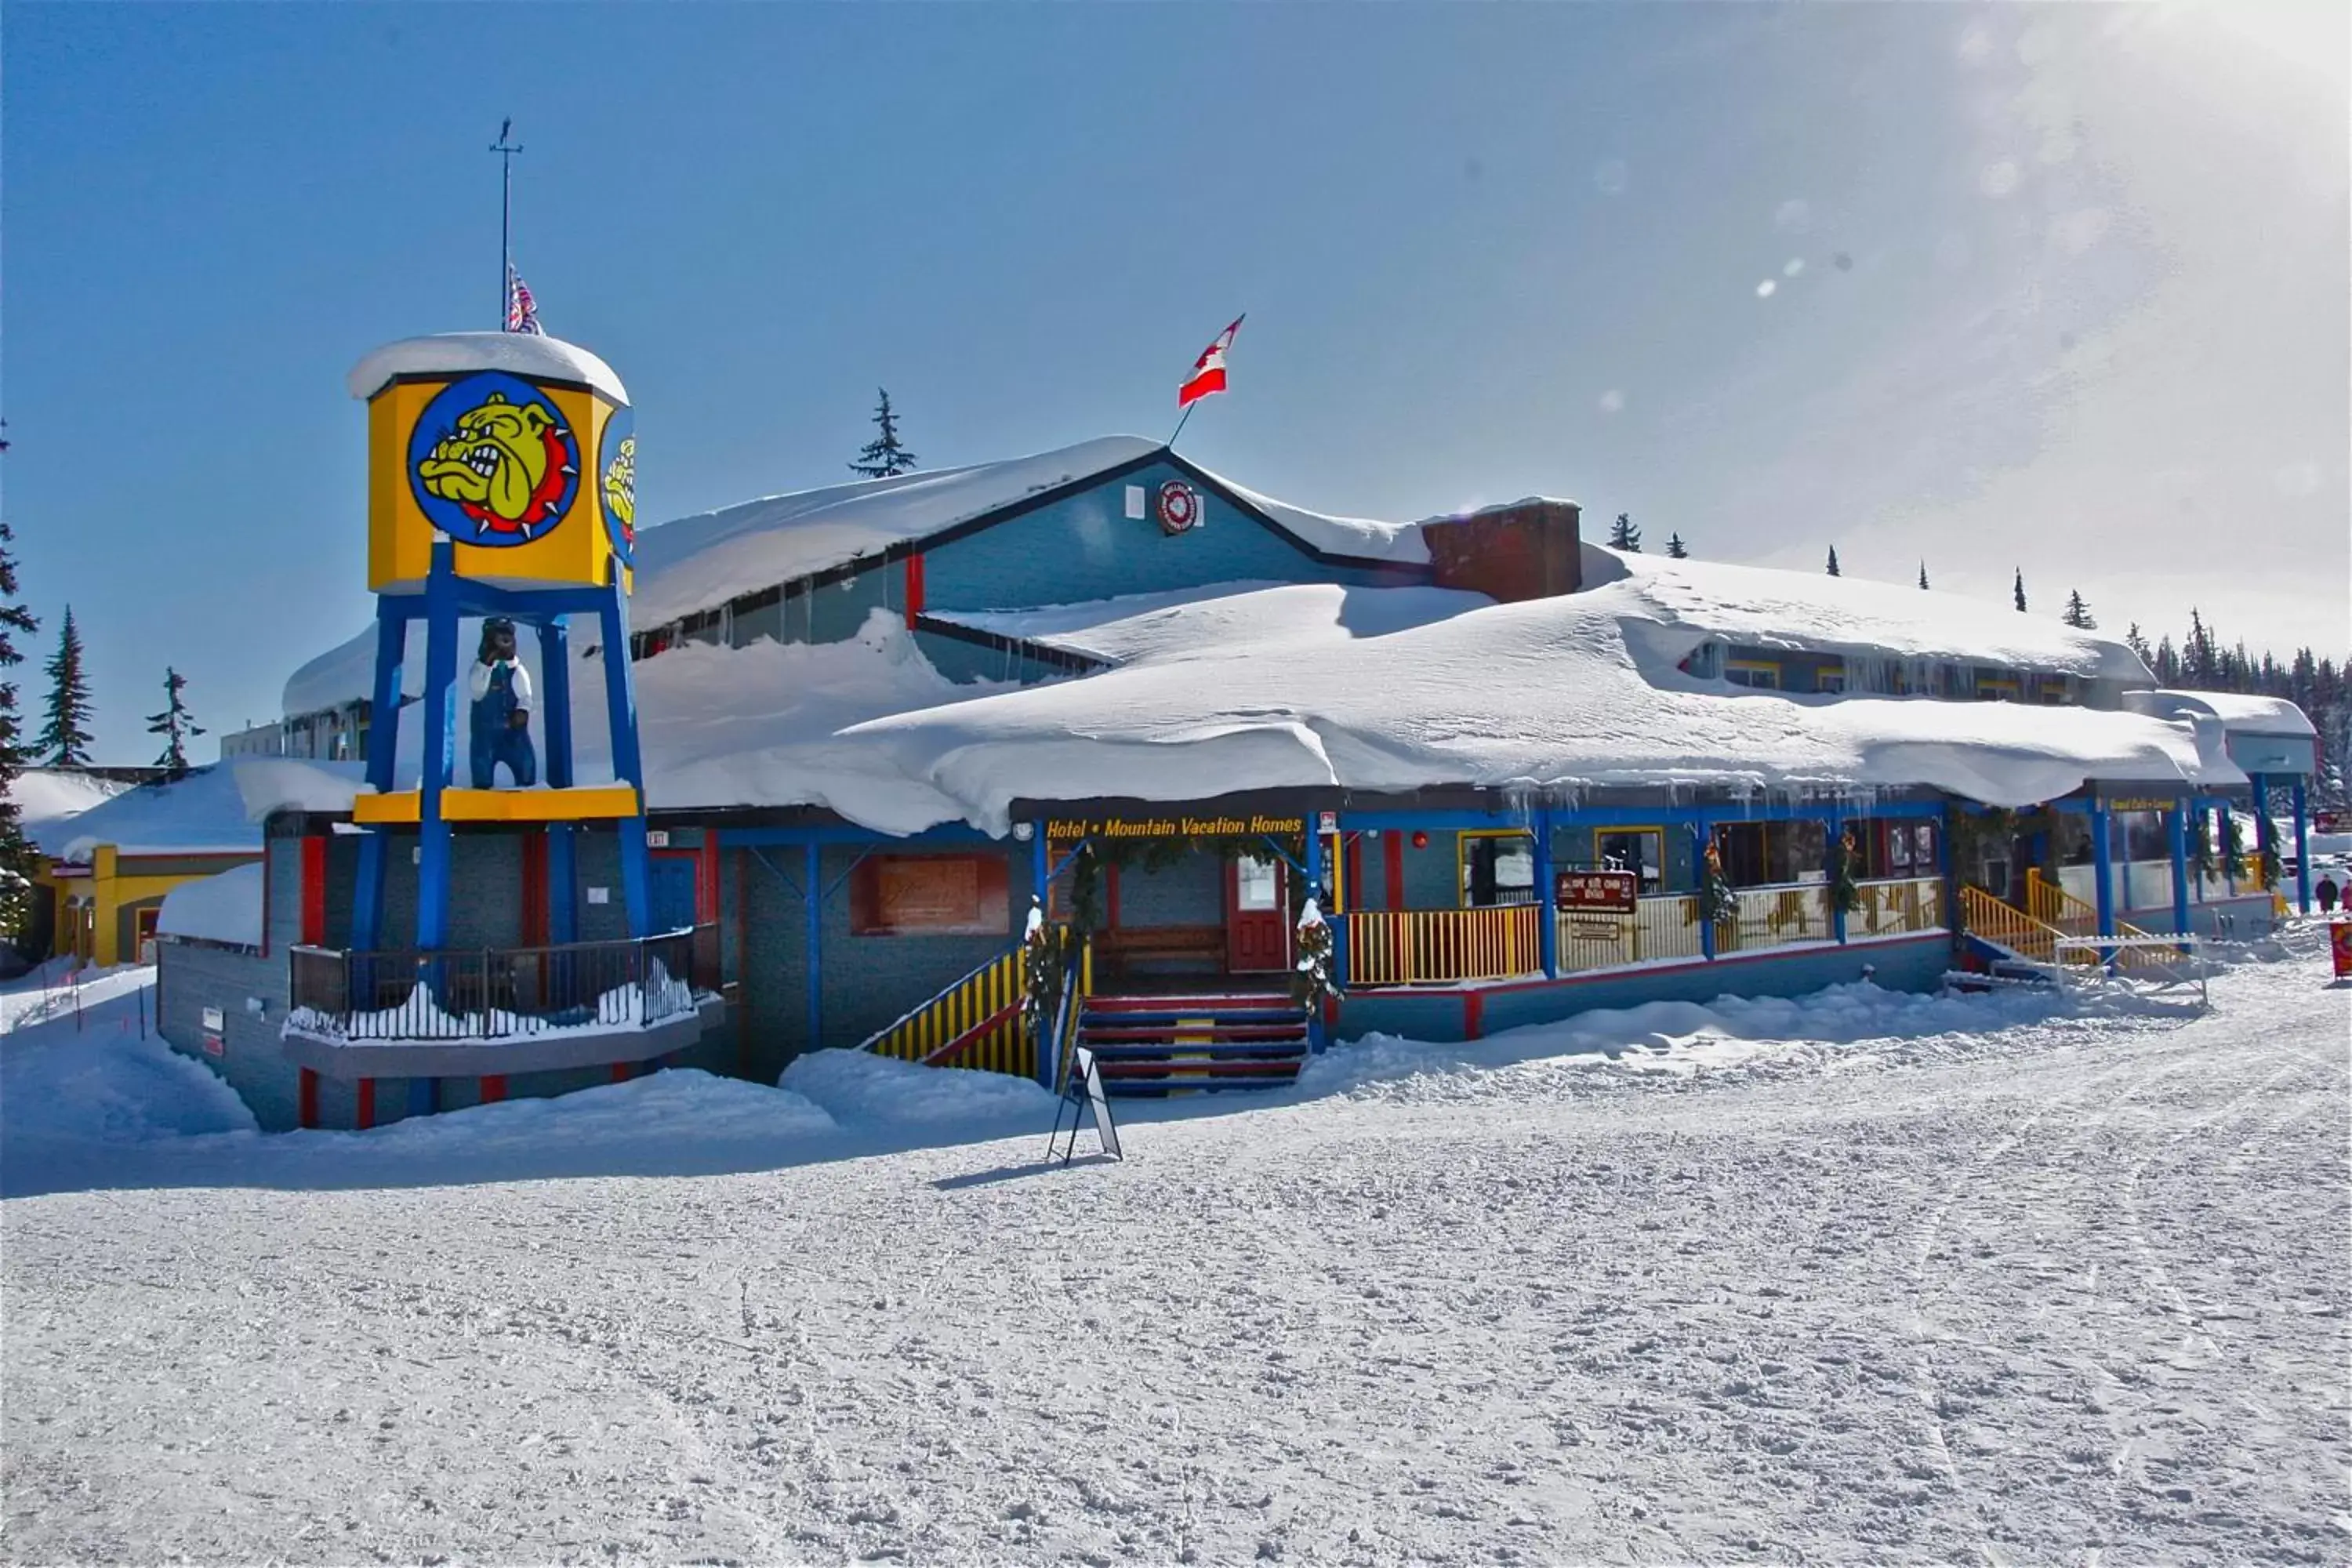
{"points": [[617, 482], [493, 462]]}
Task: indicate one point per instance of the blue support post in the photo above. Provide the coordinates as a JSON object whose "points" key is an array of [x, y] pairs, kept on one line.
{"points": [[555, 723], [1834, 830], [2103, 866], [813, 889], [1700, 831], [440, 748], [424, 1096], [1041, 878], [2301, 851], [2179, 823], [628, 766], [1548, 917], [382, 765]]}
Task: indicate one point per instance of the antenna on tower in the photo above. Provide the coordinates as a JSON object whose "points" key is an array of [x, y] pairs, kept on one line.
{"points": [[506, 209]]}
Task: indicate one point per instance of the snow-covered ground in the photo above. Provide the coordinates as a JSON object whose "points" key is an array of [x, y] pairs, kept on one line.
{"points": [[1861, 1277]]}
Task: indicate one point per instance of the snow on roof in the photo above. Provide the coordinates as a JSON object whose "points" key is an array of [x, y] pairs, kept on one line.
{"points": [[202, 813], [1141, 625], [52, 794], [697, 563], [520, 354], [226, 908], [1556, 694], [1761, 607], [1364, 537], [2241, 714]]}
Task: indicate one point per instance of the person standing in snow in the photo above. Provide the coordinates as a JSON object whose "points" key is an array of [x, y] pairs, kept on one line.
{"points": [[500, 688], [2326, 893]]}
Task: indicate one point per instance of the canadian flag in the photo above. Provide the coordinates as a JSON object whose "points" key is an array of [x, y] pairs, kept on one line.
{"points": [[1209, 371]]}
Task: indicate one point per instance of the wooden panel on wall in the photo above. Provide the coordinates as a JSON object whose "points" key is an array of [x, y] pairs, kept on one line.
{"points": [[937, 895]]}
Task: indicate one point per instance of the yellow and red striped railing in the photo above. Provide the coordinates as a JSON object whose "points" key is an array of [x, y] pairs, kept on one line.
{"points": [[974, 1023], [1402, 947]]}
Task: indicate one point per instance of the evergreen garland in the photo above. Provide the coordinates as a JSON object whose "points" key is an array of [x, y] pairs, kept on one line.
{"points": [[1844, 895], [2234, 847], [1043, 963], [1310, 976], [1717, 903]]}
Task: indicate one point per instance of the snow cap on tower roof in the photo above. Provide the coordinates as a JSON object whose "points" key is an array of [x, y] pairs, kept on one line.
{"points": [[518, 353]]}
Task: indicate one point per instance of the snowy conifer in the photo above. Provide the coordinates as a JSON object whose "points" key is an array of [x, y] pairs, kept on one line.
{"points": [[174, 725], [2078, 614], [1625, 535], [1676, 548], [884, 456], [2017, 589], [1923, 576], [18, 860], [1834, 565], [65, 736]]}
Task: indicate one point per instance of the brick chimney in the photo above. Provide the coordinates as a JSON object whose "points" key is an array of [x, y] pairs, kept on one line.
{"points": [[1527, 550]]}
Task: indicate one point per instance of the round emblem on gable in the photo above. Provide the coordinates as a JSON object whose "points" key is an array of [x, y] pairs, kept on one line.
{"points": [[492, 461], [616, 482], [1179, 507]]}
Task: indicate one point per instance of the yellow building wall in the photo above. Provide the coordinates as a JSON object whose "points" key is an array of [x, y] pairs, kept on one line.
{"points": [[94, 934]]}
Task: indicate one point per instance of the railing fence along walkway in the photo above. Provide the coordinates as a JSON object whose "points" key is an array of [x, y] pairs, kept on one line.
{"points": [[488, 993], [974, 1022]]}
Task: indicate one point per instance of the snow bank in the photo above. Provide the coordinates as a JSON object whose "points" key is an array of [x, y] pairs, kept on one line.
{"points": [[226, 908], [1552, 695], [1764, 607], [862, 1090], [44, 795], [519, 353], [102, 1084], [203, 814], [679, 1105]]}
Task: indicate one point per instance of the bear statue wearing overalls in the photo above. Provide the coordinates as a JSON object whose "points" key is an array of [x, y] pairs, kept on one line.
{"points": [[501, 716]]}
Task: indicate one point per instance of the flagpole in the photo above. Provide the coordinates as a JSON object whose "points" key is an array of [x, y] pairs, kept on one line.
{"points": [[1180, 424], [506, 208]]}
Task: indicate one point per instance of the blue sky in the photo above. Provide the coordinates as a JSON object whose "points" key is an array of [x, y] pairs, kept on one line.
{"points": [[2090, 317]]}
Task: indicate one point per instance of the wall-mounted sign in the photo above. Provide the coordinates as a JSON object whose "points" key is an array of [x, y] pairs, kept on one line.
{"points": [[492, 461], [1176, 827], [600, 895], [214, 1022], [214, 1045], [1327, 822], [1616, 891], [1179, 507], [657, 838], [2139, 803]]}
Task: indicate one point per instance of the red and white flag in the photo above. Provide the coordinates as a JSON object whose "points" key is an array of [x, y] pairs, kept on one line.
{"points": [[1209, 371]]}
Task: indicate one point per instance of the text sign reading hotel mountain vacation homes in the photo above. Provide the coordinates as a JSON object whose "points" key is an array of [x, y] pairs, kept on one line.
{"points": [[1179, 826]]}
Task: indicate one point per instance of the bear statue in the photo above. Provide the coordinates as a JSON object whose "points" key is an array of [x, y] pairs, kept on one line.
{"points": [[501, 715]]}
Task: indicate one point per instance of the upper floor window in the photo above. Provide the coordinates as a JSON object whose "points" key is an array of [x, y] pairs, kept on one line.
{"points": [[1753, 672]]}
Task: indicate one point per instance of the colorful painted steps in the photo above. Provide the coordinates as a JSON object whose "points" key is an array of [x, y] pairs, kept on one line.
{"points": [[1156, 1046]]}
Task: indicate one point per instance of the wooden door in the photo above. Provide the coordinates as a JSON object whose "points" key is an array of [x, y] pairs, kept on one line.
{"points": [[1257, 916]]}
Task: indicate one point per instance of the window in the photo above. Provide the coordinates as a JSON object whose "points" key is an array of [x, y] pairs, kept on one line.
{"points": [[929, 895], [1827, 680], [1642, 850], [1498, 867], [1255, 885], [1753, 673], [1764, 854]]}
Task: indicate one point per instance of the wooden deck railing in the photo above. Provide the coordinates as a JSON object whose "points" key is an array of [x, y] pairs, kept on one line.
{"points": [[2009, 926], [1405, 947], [1663, 925], [1892, 906]]}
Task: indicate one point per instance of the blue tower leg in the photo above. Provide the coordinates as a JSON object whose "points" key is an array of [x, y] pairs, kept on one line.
{"points": [[2302, 851], [628, 763], [440, 719], [2179, 847], [562, 845], [383, 767]]}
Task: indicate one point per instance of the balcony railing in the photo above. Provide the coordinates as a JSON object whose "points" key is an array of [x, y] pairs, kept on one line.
{"points": [[1402, 947], [506, 992], [1663, 925], [1896, 906]]}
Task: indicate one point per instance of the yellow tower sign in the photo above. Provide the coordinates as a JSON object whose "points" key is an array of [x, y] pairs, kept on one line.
{"points": [[519, 449]]}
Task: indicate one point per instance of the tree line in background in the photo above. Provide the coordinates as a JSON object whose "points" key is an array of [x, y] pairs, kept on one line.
{"points": [[65, 740], [2201, 662]]}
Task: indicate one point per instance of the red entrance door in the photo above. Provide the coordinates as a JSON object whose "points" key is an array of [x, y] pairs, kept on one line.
{"points": [[1257, 917]]}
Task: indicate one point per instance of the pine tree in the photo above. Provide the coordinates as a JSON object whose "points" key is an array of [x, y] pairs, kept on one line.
{"points": [[1676, 548], [1625, 534], [17, 860], [884, 456], [1834, 565], [174, 725], [2138, 645], [64, 738], [2017, 590], [1923, 576], [2078, 614]]}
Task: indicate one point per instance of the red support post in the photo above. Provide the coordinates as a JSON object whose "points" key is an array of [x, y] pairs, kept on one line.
{"points": [[534, 889], [314, 892], [624, 1071], [307, 1103], [494, 1088], [365, 1118], [1392, 851], [914, 588], [1473, 1015]]}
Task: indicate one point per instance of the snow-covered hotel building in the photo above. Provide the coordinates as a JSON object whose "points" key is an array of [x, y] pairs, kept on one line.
{"points": [[880, 718]]}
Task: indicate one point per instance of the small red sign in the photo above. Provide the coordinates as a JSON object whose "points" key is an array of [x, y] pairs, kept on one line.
{"points": [[1617, 890], [2323, 822], [212, 1046], [2339, 943]]}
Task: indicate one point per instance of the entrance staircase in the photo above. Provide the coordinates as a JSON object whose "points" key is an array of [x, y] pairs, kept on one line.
{"points": [[1156, 1046], [2019, 948]]}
